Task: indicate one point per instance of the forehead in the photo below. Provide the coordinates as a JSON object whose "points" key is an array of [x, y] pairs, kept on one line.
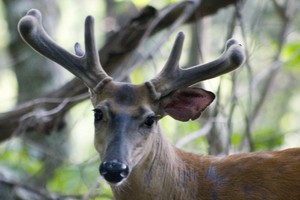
{"points": [[123, 94], [126, 94]]}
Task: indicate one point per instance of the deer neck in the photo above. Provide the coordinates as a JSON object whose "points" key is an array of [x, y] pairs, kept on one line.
{"points": [[163, 175]]}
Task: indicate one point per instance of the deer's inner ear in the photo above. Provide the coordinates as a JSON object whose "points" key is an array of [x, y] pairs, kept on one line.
{"points": [[188, 103]]}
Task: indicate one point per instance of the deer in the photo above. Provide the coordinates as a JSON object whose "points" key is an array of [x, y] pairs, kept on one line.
{"points": [[138, 161]]}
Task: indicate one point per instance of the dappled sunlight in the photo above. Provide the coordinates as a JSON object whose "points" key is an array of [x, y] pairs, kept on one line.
{"points": [[8, 88]]}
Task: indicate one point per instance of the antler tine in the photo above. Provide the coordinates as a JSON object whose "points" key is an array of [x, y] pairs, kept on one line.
{"points": [[173, 77], [92, 56], [161, 83], [173, 61], [85, 66]]}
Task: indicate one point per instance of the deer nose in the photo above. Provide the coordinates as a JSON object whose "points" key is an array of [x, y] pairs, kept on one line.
{"points": [[114, 171]]}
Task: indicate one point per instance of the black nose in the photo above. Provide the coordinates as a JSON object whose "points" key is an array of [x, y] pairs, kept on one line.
{"points": [[114, 171]]}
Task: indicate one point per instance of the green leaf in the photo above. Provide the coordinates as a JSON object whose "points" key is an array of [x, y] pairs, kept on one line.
{"points": [[236, 139], [21, 160], [267, 139], [68, 181], [291, 56]]}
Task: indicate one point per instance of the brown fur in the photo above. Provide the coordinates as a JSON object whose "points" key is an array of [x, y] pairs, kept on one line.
{"points": [[178, 175]]}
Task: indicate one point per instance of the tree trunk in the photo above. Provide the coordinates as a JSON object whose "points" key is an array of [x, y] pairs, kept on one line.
{"points": [[36, 76]]}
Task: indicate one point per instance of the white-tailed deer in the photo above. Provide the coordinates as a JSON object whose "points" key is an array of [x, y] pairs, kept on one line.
{"points": [[137, 160]]}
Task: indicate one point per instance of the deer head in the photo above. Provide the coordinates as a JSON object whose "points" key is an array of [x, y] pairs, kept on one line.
{"points": [[126, 115]]}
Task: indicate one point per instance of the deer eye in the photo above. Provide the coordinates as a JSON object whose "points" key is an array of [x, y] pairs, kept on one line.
{"points": [[150, 120], [98, 115]]}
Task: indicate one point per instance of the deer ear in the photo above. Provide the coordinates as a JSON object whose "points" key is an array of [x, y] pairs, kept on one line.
{"points": [[188, 103]]}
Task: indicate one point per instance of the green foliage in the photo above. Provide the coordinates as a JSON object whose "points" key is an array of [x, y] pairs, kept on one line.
{"points": [[291, 56], [236, 140], [20, 160], [183, 129], [267, 139], [78, 180], [67, 181], [198, 145], [263, 140], [72, 179]]}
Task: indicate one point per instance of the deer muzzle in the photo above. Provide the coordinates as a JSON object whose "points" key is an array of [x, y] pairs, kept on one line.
{"points": [[114, 171]]}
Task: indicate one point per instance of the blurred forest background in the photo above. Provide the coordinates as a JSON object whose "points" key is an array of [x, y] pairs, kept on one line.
{"points": [[46, 123]]}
